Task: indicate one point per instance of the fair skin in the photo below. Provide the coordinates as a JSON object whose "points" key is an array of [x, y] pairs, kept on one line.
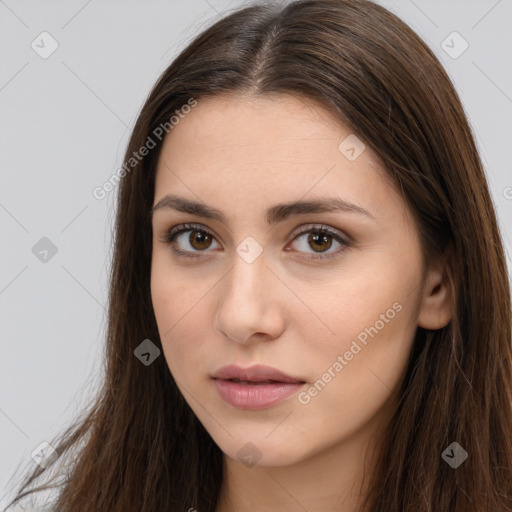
{"points": [[242, 155]]}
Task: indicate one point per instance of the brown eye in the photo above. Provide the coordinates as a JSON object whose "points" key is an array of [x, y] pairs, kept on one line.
{"points": [[320, 242], [200, 240], [320, 239]]}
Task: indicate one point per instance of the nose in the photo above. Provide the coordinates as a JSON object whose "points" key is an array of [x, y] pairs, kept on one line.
{"points": [[250, 306]]}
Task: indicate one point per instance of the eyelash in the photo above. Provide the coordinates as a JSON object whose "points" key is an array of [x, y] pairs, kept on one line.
{"points": [[171, 235]]}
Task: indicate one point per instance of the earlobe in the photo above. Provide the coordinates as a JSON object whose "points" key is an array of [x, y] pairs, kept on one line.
{"points": [[436, 307]]}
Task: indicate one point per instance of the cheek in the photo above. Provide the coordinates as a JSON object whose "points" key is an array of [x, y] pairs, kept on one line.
{"points": [[174, 295], [382, 297], [351, 381], [171, 301], [180, 306], [366, 354], [372, 324]]}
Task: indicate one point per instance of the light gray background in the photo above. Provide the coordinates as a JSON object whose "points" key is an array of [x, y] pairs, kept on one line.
{"points": [[64, 124]]}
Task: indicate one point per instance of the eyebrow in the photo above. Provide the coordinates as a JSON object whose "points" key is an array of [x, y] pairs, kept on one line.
{"points": [[275, 214]]}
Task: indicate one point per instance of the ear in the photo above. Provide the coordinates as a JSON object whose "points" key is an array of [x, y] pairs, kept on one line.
{"points": [[436, 306]]}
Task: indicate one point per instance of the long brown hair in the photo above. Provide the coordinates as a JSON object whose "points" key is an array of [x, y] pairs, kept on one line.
{"points": [[139, 447]]}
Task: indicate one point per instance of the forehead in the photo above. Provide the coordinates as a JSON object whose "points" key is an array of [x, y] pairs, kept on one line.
{"points": [[238, 123], [248, 150]]}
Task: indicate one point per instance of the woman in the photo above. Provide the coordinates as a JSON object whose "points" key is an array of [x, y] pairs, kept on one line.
{"points": [[373, 374]]}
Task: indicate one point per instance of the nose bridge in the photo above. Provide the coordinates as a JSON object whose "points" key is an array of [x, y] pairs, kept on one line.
{"points": [[247, 304], [247, 280]]}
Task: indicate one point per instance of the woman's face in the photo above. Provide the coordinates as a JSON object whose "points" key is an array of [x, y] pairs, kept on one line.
{"points": [[335, 310]]}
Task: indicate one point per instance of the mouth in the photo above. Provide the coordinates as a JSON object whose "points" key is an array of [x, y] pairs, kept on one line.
{"points": [[254, 374], [255, 387]]}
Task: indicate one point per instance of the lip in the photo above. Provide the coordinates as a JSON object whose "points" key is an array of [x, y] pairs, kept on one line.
{"points": [[259, 393], [255, 373]]}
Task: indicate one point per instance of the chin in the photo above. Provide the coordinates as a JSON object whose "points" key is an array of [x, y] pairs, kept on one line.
{"points": [[258, 452]]}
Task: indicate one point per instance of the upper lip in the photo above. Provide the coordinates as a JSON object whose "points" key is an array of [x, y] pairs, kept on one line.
{"points": [[255, 373]]}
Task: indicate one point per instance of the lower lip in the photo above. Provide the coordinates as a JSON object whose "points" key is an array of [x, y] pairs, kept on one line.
{"points": [[255, 396]]}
